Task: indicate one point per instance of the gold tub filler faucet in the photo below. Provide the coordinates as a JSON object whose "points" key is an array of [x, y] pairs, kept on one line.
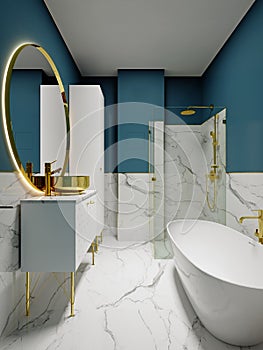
{"points": [[259, 231]]}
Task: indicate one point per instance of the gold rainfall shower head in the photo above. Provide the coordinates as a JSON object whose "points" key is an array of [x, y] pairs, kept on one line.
{"points": [[190, 110]]}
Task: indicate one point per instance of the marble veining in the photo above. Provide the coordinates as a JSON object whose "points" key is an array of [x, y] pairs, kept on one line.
{"points": [[244, 193], [185, 165], [11, 191], [128, 300], [134, 206], [110, 204], [188, 156]]}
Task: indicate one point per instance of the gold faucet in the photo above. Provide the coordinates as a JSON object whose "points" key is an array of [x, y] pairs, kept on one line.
{"points": [[48, 174], [29, 170], [259, 231]]}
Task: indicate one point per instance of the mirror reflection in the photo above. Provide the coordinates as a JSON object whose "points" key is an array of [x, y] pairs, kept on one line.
{"points": [[37, 112]]}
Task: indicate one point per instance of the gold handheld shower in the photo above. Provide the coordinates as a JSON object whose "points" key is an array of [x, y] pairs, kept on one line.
{"points": [[213, 175]]}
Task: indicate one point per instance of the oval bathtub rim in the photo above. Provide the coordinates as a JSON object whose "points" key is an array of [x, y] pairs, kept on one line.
{"points": [[205, 272]]}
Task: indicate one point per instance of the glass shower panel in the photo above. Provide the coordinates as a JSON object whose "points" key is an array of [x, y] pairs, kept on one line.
{"points": [[213, 133], [156, 169], [193, 172]]}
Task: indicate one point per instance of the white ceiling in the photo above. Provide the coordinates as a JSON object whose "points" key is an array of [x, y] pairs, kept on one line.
{"points": [[31, 58], [181, 36]]}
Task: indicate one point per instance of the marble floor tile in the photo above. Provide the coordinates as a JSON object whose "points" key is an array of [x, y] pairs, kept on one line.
{"points": [[127, 301]]}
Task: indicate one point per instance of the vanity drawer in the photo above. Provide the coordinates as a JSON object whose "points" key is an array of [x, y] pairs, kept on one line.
{"points": [[56, 234]]}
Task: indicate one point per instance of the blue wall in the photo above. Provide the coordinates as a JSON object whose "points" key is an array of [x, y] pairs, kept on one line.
{"points": [[30, 21], [25, 108], [182, 91], [140, 100], [234, 79]]}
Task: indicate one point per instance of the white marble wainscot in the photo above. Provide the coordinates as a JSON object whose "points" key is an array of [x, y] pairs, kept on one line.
{"points": [[134, 210], [11, 191], [110, 204], [184, 168], [128, 300], [244, 193], [218, 213]]}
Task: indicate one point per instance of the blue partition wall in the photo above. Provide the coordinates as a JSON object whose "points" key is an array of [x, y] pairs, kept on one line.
{"points": [[140, 100]]}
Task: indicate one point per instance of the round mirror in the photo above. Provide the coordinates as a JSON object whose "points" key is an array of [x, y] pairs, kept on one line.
{"points": [[35, 112]]}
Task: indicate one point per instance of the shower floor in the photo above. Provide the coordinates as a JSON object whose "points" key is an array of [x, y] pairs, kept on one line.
{"points": [[128, 300]]}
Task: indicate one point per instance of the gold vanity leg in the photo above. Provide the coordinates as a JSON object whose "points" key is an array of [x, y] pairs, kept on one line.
{"points": [[72, 294], [27, 293], [93, 253]]}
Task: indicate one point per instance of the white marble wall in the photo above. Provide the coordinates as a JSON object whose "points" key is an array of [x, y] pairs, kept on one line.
{"points": [[188, 157], [11, 191], [185, 166], [134, 210], [243, 195]]}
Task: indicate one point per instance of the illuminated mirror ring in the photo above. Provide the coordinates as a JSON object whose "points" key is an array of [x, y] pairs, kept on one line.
{"points": [[6, 115]]}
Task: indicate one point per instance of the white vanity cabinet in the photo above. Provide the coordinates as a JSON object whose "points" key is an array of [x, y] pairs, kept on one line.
{"points": [[86, 157], [56, 232]]}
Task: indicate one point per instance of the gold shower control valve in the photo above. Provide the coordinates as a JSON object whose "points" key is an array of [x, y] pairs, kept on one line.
{"points": [[213, 175]]}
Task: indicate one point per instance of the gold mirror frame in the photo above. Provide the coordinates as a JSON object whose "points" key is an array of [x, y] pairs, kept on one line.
{"points": [[6, 115]]}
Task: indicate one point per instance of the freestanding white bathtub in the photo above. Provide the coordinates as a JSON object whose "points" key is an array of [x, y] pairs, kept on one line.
{"points": [[222, 273]]}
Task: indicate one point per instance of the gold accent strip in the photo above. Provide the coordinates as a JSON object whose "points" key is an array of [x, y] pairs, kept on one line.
{"points": [[72, 294], [93, 252], [6, 114], [27, 293]]}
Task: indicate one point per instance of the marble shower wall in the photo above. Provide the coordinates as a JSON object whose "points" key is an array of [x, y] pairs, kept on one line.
{"points": [[188, 157], [218, 213], [184, 165]]}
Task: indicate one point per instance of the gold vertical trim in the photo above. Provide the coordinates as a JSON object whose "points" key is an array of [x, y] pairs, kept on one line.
{"points": [[72, 293], [97, 244], [27, 293], [93, 252]]}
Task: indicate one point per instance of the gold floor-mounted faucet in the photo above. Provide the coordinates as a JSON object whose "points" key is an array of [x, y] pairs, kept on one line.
{"points": [[259, 231], [48, 174]]}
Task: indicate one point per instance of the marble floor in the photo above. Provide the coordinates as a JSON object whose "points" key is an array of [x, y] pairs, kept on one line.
{"points": [[127, 301]]}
